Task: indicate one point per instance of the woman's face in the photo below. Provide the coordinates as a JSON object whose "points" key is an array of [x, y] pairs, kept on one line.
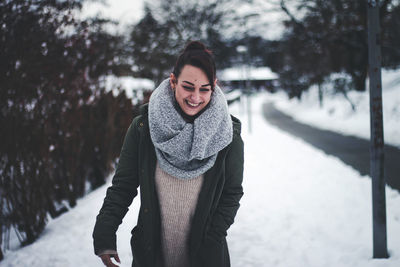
{"points": [[192, 89]]}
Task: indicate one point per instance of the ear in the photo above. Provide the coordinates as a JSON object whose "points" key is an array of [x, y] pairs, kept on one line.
{"points": [[215, 82], [172, 80]]}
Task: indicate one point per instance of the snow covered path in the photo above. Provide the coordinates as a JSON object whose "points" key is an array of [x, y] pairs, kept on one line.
{"points": [[303, 207], [300, 208]]}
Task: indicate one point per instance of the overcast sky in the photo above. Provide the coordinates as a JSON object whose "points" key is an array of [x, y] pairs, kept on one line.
{"points": [[125, 11]]}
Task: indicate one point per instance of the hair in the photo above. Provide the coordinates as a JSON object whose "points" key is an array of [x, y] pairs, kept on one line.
{"points": [[196, 54]]}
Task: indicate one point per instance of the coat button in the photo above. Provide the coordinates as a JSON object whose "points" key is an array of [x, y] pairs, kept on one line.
{"points": [[141, 124], [148, 247], [146, 210]]}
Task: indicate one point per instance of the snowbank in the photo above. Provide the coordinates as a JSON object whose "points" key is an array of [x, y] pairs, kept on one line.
{"points": [[337, 115]]}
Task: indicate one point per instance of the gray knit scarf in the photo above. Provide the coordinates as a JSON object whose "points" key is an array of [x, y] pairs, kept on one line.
{"points": [[187, 150]]}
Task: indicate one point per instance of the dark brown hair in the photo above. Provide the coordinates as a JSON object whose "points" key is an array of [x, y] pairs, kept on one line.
{"points": [[196, 54]]}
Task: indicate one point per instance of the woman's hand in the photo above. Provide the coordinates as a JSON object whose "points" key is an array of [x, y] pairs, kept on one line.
{"points": [[106, 258]]}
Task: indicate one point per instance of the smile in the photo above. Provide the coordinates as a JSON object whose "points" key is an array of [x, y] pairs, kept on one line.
{"points": [[193, 104]]}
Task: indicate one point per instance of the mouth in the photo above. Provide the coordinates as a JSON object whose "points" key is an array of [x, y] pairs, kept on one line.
{"points": [[192, 105]]}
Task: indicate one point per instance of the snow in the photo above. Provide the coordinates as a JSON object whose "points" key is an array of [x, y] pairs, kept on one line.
{"points": [[133, 87], [232, 95], [301, 208], [337, 115], [246, 73]]}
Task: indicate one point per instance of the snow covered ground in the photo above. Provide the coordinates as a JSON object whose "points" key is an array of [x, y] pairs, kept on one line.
{"points": [[337, 115], [301, 208]]}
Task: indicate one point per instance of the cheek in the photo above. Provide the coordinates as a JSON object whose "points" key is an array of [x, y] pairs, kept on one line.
{"points": [[182, 96], [207, 98], [178, 95]]}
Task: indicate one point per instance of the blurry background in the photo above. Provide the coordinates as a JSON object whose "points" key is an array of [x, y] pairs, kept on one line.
{"points": [[73, 73]]}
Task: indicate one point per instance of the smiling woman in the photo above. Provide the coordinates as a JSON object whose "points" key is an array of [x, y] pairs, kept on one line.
{"points": [[192, 90], [185, 153], [193, 78]]}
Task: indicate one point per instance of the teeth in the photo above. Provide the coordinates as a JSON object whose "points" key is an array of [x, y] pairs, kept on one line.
{"points": [[192, 104]]}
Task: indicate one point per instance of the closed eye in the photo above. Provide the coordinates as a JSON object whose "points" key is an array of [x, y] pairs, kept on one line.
{"points": [[188, 88]]}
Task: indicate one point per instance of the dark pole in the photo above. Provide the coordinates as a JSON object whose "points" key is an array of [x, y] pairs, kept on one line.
{"points": [[248, 97], [377, 143]]}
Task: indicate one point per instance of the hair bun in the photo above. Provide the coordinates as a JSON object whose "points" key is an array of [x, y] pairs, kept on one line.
{"points": [[195, 45], [196, 54]]}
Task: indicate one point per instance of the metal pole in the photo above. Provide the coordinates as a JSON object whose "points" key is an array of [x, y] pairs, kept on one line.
{"points": [[249, 108], [248, 96], [377, 143]]}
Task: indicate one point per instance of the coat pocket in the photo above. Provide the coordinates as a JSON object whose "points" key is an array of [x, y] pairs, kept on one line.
{"points": [[211, 253], [137, 248]]}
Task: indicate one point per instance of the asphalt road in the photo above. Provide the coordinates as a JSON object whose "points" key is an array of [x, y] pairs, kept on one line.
{"points": [[351, 150]]}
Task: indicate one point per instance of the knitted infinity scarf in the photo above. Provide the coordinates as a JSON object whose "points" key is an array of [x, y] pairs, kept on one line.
{"points": [[187, 150]]}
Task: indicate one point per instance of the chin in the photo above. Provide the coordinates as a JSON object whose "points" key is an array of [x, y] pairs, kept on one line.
{"points": [[192, 112]]}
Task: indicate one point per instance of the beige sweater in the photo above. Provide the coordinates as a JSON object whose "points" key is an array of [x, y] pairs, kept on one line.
{"points": [[178, 200]]}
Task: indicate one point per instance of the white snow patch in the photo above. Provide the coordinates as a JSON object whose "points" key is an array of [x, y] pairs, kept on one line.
{"points": [[246, 73], [133, 87]]}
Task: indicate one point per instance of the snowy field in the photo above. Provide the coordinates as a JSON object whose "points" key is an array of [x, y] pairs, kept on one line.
{"points": [[337, 115], [300, 208]]}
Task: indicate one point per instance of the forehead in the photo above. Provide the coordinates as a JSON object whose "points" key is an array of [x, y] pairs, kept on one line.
{"points": [[193, 74]]}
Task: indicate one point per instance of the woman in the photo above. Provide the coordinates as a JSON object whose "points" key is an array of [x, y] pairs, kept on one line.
{"points": [[186, 154]]}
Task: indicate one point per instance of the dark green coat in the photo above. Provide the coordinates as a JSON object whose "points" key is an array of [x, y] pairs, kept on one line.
{"points": [[217, 205]]}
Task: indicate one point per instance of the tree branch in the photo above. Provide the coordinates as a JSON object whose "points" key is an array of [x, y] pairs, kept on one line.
{"points": [[292, 18]]}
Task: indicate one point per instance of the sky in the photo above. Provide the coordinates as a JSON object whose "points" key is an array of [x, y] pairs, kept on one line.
{"points": [[300, 208], [125, 11]]}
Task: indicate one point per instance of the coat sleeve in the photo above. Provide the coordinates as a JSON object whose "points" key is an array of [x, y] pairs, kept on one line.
{"points": [[119, 195], [232, 191]]}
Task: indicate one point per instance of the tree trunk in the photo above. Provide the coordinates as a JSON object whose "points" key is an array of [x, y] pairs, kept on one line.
{"points": [[320, 95], [353, 106], [359, 80]]}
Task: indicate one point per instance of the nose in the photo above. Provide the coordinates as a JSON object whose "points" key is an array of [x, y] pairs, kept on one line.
{"points": [[195, 96]]}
